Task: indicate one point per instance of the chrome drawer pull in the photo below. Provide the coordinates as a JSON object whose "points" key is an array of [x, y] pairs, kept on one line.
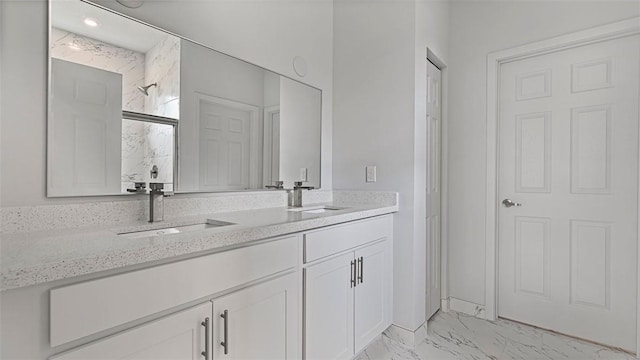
{"points": [[205, 323], [225, 342]]}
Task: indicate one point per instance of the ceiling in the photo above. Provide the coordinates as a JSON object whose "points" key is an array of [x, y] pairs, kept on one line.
{"points": [[112, 28]]}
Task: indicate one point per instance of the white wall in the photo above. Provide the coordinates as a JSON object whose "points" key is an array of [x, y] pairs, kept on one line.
{"points": [[432, 25], [210, 73], [299, 129], [268, 33], [379, 112], [476, 29]]}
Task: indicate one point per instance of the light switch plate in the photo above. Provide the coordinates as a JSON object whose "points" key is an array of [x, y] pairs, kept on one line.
{"points": [[371, 174], [303, 174]]}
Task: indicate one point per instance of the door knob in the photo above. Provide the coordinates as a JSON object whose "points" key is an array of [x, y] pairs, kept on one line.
{"points": [[508, 203]]}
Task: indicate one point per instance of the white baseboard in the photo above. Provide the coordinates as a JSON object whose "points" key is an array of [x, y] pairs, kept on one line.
{"points": [[407, 337], [466, 307], [444, 305]]}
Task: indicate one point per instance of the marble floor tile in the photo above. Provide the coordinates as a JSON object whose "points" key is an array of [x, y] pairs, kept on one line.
{"points": [[461, 337]]}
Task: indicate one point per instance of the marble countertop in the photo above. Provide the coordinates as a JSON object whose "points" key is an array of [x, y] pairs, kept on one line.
{"points": [[31, 258]]}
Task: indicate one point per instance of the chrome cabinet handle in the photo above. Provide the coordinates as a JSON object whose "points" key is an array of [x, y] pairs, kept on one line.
{"points": [[508, 203], [205, 323], [225, 342], [353, 273], [361, 272]]}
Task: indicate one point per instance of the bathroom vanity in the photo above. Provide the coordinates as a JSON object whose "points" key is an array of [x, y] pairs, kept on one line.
{"points": [[224, 276], [277, 283]]}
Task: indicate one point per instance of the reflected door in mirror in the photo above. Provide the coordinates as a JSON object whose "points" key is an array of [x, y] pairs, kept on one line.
{"points": [[225, 135], [85, 130]]}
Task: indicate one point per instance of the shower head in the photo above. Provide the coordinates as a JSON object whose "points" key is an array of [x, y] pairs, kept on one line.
{"points": [[145, 89]]}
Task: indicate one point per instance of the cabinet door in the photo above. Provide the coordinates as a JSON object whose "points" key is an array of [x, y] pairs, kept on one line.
{"points": [[178, 336], [372, 293], [260, 322], [329, 309]]}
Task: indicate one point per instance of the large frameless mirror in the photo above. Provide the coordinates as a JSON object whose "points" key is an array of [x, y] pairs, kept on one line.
{"points": [[131, 104]]}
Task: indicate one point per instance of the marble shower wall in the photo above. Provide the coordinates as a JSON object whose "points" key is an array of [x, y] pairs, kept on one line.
{"points": [[143, 144], [91, 52], [162, 66], [133, 153]]}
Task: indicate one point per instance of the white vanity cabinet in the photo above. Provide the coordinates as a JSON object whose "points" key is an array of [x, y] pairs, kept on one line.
{"points": [[348, 287], [324, 293], [259, 322], [256, 288], [183, 335], [372, 293], [329, 309]]}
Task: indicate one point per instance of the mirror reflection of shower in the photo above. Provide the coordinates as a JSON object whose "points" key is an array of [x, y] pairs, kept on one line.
{"points": [[145, 89]]}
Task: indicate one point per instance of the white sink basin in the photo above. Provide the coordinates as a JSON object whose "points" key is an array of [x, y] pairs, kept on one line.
{"points": [[317, 209], [175, 229]]}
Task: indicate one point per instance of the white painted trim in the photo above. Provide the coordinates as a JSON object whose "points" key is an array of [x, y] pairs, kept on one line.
{"points": [[255, 170], [444, 176], [445, 305], [494, 60], [638, 246], [267, 123], [407, 337], [468, 308], [444, 196]]}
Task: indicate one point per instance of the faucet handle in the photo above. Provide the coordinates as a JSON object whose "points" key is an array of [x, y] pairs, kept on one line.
{"points": [[156, 186], [139, 187], [279, 185], [298, 185]]}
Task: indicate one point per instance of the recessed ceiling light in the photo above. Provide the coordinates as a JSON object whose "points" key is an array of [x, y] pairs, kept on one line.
{"points": [[90, 22]]}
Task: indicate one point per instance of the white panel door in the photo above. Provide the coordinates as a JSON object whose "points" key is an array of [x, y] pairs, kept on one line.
{"points": [[179, 336], [328, 308], [372, 293], [261, 321], [434, 122], [225, 136], [85, 131], [569, 155]]}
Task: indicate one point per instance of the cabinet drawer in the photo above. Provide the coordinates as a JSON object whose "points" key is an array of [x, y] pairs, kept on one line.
{"points": [[325, 242], [176, 336], [90, 307]]}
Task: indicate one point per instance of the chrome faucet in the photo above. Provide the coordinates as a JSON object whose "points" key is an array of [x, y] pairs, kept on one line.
{"points": [[279, 185], [295, 199], [156, 189]]}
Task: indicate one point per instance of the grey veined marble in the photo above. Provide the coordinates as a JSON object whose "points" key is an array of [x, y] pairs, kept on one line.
{"points": [[455, 336]]}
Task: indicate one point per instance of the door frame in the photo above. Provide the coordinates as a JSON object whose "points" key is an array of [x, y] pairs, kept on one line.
{"points": [[611, 31], [444, 189], [267, 156]]}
